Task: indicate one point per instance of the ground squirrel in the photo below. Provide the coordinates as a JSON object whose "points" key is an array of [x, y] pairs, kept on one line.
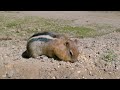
{"points": [[52, 45]]}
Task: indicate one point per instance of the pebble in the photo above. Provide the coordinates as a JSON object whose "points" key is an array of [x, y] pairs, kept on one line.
{"points": [[72, 68], [58, 66], [78, 71], [54, 77], [76, 65]]}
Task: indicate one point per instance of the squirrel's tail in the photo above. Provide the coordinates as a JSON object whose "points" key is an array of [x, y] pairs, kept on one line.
{"points": [[25, 54]]}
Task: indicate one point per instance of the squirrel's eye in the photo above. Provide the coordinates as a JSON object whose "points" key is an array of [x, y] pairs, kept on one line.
{"points": [[71, 53]]}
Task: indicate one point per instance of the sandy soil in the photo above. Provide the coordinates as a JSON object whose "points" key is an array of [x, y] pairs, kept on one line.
{"points": [[91, 64]]}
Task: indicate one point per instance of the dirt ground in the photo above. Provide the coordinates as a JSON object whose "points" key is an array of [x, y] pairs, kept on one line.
{"points": [[99, 57]]}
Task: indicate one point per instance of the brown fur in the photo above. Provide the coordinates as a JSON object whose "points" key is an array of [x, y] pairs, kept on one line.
{"points": [[62, 48]]}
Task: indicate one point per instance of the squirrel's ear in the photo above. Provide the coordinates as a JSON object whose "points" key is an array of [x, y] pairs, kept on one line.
{"points": [[67, 43]]}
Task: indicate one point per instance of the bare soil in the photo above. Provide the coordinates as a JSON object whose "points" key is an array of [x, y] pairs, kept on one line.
{"points": [[99, 57]]}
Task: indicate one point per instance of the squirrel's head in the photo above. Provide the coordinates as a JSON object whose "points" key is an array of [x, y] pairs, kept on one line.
{"points": [[66, 49]]}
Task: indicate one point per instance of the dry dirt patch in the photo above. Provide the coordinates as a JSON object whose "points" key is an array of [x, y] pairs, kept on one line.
{"points": [[99, 56]]}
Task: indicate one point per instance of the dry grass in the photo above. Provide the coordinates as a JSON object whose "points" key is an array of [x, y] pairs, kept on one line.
{"points": [[11, 25]]}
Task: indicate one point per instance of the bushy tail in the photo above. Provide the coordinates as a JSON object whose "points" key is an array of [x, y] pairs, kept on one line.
{"points": [[25, 54]]}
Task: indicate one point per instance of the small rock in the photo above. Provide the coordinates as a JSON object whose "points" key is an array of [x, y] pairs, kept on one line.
{"points": [[86, 47], [100, 78], [52, 61], [66, 77], [41, 57], [83, 77], [98, 53], [58, 66], [67, 67], [90, 73], [8, 76], [55, 69], [78, 71], [76, 65], [13, 47], [54, 77]]}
